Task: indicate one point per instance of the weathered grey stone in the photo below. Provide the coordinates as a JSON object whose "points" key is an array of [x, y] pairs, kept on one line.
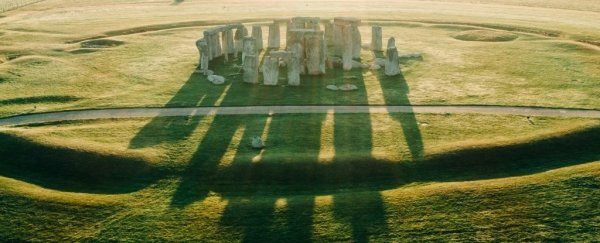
{"points": [[356, 42], [329, 32], [274, 36], [338, 40], [216, 79], [332, 87], [249, 48], [347, 53], [226, 47], [392, 65], [257, 34], [257, 143], [342, 25], [315, 62], [250, 68], [294, 64], [306, 23], [270, 70], [376, 38], [203, 52], [391, 42], [240, 33]]}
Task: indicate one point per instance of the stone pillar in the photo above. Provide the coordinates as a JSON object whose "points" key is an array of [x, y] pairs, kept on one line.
{"points": [[249, 48], [274, 36], [295, 36], [329, 32], [257, 34], [230, 41], [294, 64], [347, 47], [225, 46], [391, 43], [338, 40], [314, 52], [203, 51], [217, 45], [356, 42], [392, 64], [270, 70], [323, 66], [250, 68], [376, 38], [208, 41], [240, 33]]}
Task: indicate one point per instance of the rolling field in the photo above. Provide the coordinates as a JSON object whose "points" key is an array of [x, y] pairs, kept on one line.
{"points": [[380, 177]]}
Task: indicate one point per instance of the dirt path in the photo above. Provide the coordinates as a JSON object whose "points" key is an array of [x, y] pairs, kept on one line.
{"points": [[265, 110]]}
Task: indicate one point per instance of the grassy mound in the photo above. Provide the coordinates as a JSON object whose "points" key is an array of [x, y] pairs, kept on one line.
{"points": [[485, 35], [476, 163], [101, 43], [70, 169]]}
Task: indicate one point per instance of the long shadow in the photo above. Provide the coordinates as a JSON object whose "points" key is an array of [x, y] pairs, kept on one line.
{"points": [[364, 212], [254, 218], [395, 91], [194, 92]]}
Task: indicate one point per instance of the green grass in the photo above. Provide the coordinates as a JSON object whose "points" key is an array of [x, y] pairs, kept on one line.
{"points": [[322, 177], [49, 61], [497, 178]]}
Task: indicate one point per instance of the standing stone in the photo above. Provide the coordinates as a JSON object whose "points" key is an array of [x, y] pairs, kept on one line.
{"points": [[229, 40], [391, 42], [356, 42], [392, 64], [250, 68], [294, 64], [338, 40], [347, 46], [203, 51], [314, 52], [274, 36], [323, 65], [376, 38], [226, 46], [217, 45], [271, 70], [257, 34], [329, 32], [249, 48], [240, 33]]}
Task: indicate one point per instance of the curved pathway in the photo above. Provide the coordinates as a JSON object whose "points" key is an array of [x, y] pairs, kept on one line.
{"points": [[265, 110]]}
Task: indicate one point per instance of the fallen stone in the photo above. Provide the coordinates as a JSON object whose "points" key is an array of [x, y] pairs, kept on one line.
{"points": [[332, 87], [257, 143], [216, 79]]}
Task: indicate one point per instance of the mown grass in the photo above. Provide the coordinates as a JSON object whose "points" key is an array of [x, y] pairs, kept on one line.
{"points": [[322, 177], [142, 73], [500, 178]]}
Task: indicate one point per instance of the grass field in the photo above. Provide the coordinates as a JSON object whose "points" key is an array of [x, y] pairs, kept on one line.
{"points": [[322, 177]]}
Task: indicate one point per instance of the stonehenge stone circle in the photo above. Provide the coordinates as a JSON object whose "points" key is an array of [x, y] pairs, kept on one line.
{"points": [[305, 51]]}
